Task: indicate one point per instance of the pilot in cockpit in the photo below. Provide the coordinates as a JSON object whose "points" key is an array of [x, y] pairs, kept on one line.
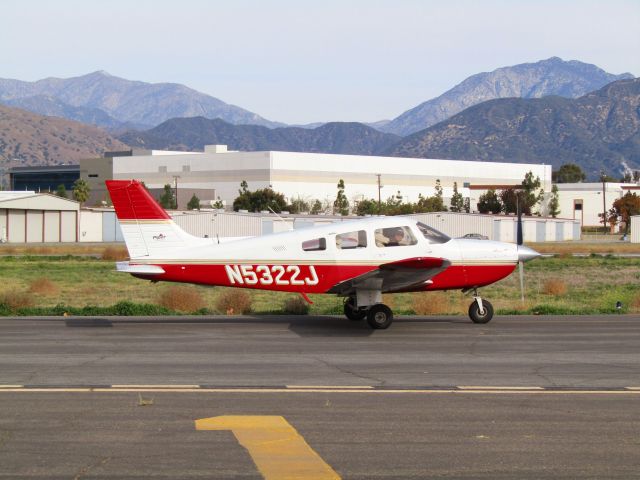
{"points": [[395, 238]]}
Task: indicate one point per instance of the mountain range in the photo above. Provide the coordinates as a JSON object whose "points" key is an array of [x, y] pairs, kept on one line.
{"points": [[113, 102], [551, 129], [195, 133], [553, 76], [29, 139], [598, 131]]}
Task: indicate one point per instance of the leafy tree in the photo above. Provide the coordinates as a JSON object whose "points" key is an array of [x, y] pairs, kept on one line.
{"points": [[262, 199], [298, 205], [457, 200], [317, 207], [467, 205], [438, 188], [630, 177], [429, 204], [218, 204], [532, 194], [489, 202], [341, 204], [367, 207], [509, 200], [61, 191], [243, 200], [194, 203], [168, 199], [626, 207], [81, 190], [554, 202], [568, 173]]}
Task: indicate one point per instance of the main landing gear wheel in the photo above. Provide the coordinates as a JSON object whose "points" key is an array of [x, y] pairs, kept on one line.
{"points": [[352, 312], [481, 317], [379, 316]]}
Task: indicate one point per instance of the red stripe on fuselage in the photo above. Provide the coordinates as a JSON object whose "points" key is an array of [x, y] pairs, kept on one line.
{"points": [[301, 278]]}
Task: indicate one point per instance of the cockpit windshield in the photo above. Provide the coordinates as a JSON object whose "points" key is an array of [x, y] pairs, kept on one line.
{"points": [[432, 235]]}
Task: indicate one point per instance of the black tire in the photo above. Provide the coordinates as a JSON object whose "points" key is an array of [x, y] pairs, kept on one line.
{"points": [[352, 312], [478, 317], [379, 316]]}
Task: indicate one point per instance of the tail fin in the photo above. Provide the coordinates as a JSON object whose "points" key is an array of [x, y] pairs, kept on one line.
{"points": [[147, 229]]}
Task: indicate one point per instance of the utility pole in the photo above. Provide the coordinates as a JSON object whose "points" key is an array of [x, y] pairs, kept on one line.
{"points": [[379, 188], [604, 201], [175, 181]]}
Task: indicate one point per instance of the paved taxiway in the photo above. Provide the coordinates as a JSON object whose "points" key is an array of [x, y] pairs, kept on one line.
{"points": [[414, 414]]}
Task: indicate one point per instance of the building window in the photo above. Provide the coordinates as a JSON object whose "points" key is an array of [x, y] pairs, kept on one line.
{"points": [[93, 175], [186, 168], [162, 169]]}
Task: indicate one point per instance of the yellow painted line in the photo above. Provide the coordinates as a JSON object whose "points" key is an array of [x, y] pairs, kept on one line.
{"points": [[481, 387], [276, 448], [525, 391], [155, 386], [331, 387]]}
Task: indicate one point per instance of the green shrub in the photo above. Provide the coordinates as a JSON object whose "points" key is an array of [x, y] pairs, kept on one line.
{"points": [[233, 301], [296, 306]]}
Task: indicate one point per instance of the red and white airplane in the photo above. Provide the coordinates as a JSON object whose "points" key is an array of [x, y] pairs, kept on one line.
{"points": [[359, 260]]}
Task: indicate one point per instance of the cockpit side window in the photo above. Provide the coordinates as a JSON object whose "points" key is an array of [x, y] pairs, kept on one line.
{"points": [[394, 237], [431, 234], [357, 239]]}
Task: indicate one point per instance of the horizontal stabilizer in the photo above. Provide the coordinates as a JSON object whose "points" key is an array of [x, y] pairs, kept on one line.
{"points": [[126, 267]]}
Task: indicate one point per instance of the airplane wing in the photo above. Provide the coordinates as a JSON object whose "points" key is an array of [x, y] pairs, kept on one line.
{"points": [[395, 276]]}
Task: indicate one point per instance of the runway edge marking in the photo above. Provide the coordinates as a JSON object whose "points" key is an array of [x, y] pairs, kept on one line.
{"points": [[463, 389]]}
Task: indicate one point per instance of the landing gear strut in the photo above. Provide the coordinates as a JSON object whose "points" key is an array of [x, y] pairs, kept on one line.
{"points": [[480, 311], [352, 312], [378, 315]]}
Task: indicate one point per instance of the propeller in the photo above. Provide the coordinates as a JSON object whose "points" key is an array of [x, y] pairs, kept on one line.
{"points": [[524, 253], [519, 242]]}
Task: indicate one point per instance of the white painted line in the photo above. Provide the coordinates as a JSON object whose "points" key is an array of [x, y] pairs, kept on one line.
{"points": [[478, 387], [155, 386], [11, 386], [633, 388], [331, 387]]}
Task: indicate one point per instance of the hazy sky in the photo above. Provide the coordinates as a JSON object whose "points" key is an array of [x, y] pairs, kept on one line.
{"points": [[299, 61]]}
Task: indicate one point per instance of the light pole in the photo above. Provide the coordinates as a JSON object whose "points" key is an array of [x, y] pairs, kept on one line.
{"points": [[175, 181], [604, 201], [379, 188]]}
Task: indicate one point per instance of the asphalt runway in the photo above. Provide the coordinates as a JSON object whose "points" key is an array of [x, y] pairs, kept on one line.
{"points": [[520, 397]]}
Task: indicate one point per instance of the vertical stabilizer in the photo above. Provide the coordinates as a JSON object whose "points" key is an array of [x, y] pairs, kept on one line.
{"points": [[147, 229]]}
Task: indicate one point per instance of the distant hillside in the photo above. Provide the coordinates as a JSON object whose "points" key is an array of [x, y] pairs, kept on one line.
{"points": [[53, 107], [553, 76], [195, 133], [600, 130], [30, 139], [126, 101]]}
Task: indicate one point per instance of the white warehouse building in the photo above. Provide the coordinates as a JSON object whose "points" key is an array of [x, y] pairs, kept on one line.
{"points": [[587, 201], [217, 173]]}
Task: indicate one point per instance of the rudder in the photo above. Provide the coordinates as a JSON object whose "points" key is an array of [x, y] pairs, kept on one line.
{"points": [[147, 228]]}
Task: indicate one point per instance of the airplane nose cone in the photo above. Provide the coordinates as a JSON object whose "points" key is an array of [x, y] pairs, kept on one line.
{"points": [[525, 254]]}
